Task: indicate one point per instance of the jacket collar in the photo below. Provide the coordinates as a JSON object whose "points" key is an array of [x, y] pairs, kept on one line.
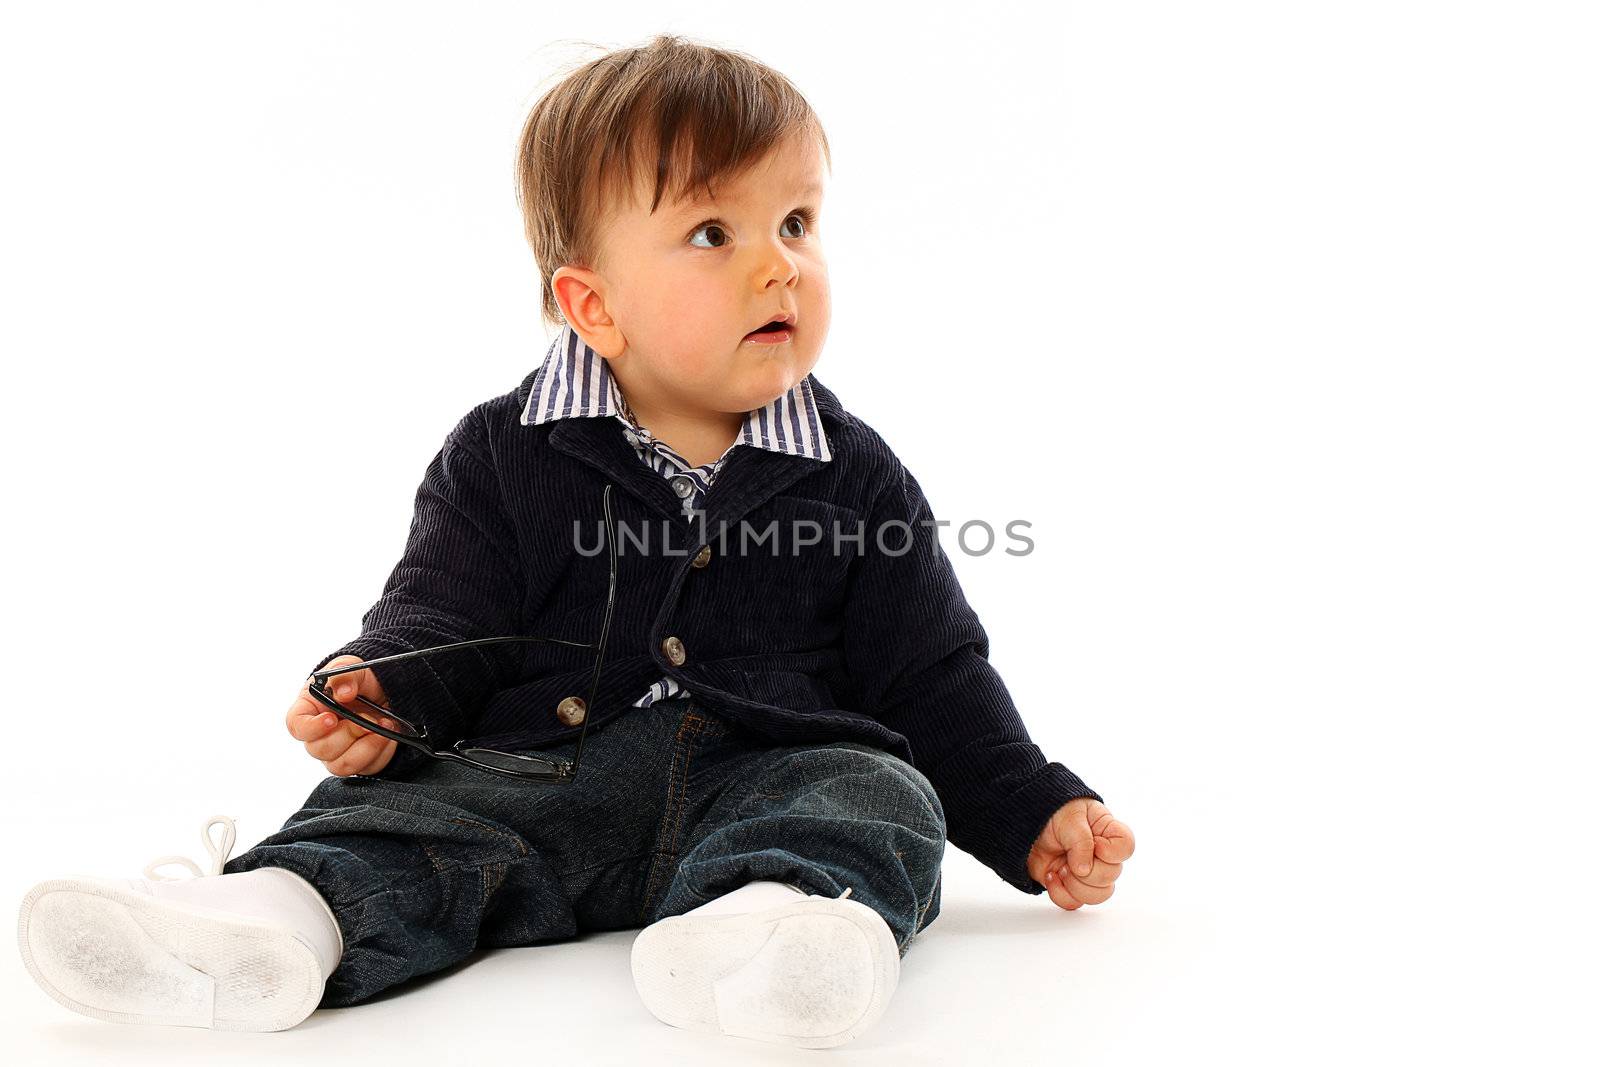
{"points": [[788, 437], [574, 381]]}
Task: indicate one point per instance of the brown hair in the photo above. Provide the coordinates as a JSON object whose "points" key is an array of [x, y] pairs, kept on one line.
{"points": [[694, 113]]}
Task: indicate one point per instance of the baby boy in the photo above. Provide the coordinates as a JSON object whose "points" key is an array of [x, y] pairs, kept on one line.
{"points": [[791, 702]]}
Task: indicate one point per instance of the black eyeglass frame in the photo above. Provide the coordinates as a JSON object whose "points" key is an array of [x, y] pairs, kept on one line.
{"points": [[552, 769]]}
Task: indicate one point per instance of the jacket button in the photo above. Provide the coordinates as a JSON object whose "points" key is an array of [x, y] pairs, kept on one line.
{"points": [[683, 485], [703, 557], [571, 711], [674, 650]]}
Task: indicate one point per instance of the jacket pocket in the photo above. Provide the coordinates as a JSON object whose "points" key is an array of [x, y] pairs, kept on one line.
{"points": [[794, 690]]}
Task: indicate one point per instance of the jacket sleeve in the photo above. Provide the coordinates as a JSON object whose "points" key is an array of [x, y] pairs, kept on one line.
{"points": [[458, 578], [918, 657]]}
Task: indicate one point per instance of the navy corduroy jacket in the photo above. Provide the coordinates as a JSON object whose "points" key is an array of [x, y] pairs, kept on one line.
{"points": [[874, 642]]}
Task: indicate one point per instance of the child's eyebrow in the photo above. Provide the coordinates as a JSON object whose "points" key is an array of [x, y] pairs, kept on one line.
{"points": [[700, 202]]}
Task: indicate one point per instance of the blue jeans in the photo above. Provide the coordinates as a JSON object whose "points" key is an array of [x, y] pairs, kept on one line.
{"points": [[673, 805]]}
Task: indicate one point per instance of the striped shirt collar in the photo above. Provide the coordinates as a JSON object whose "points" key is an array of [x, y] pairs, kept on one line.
{"points": [[576, 381]]}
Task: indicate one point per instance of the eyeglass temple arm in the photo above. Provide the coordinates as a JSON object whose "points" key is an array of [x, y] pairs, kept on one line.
{"points": [[605, 629], [329, 672], [320, 678]]}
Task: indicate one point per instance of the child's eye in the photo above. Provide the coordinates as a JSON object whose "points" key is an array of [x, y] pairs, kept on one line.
{"points": [[711, 227], [807, 217]]}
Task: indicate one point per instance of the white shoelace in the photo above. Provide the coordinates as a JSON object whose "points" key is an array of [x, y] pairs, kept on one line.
{"points": [[219, 852]]}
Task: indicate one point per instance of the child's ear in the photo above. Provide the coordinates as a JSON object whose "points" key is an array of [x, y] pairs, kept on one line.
{"points": [[580, 292]]}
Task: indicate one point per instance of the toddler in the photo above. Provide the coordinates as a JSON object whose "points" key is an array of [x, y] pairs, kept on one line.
{"points": [[793, 709]]}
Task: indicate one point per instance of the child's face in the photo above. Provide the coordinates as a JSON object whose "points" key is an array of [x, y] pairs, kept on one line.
{"points": [[676, 292]]}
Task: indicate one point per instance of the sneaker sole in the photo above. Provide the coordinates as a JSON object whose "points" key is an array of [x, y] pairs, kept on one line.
{"points": [[121, 956], [811, 974]]}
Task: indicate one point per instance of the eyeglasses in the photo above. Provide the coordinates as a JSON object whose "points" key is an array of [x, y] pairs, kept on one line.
{"points": [[538, 768]]}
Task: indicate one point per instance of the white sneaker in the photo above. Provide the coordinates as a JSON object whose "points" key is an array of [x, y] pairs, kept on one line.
{"points": [[770, 963], [244, 951]]}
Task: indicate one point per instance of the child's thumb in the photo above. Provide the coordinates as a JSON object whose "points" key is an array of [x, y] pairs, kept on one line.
{"points": [[345, 686]]}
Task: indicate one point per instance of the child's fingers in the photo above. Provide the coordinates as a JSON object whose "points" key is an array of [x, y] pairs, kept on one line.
{"points": [[1058, 892], [360, 755], [1077, 889], [341, 740], [331, 747], [1113, 842], [309, 720], [301, 707], [336, 742], [1101, 874]]}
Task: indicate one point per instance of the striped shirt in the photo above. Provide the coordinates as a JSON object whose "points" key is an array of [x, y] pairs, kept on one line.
{"points": [[576, 382]]}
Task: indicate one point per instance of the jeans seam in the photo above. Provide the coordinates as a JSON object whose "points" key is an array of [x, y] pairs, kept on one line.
{"points": [[439, 863], [491, 883], [694, 729], [681, 757]]}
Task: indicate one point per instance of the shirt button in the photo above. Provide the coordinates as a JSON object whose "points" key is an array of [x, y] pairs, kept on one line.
{"points": [[702, 557], [683, 485], [674, 650], [571, 711]]}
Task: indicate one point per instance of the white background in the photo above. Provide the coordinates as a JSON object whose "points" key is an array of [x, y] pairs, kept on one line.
{"points": [[1277, 321]]}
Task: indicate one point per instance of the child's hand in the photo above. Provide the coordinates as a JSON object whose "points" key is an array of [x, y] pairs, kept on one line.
{"points": [[1079, 853], [342, 746]]}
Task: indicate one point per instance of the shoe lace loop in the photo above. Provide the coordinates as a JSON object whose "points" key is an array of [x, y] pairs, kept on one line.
{"points": [[219, 852]]}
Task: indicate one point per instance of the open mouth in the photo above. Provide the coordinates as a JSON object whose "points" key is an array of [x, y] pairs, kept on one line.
{"points": [[777, 330]]}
